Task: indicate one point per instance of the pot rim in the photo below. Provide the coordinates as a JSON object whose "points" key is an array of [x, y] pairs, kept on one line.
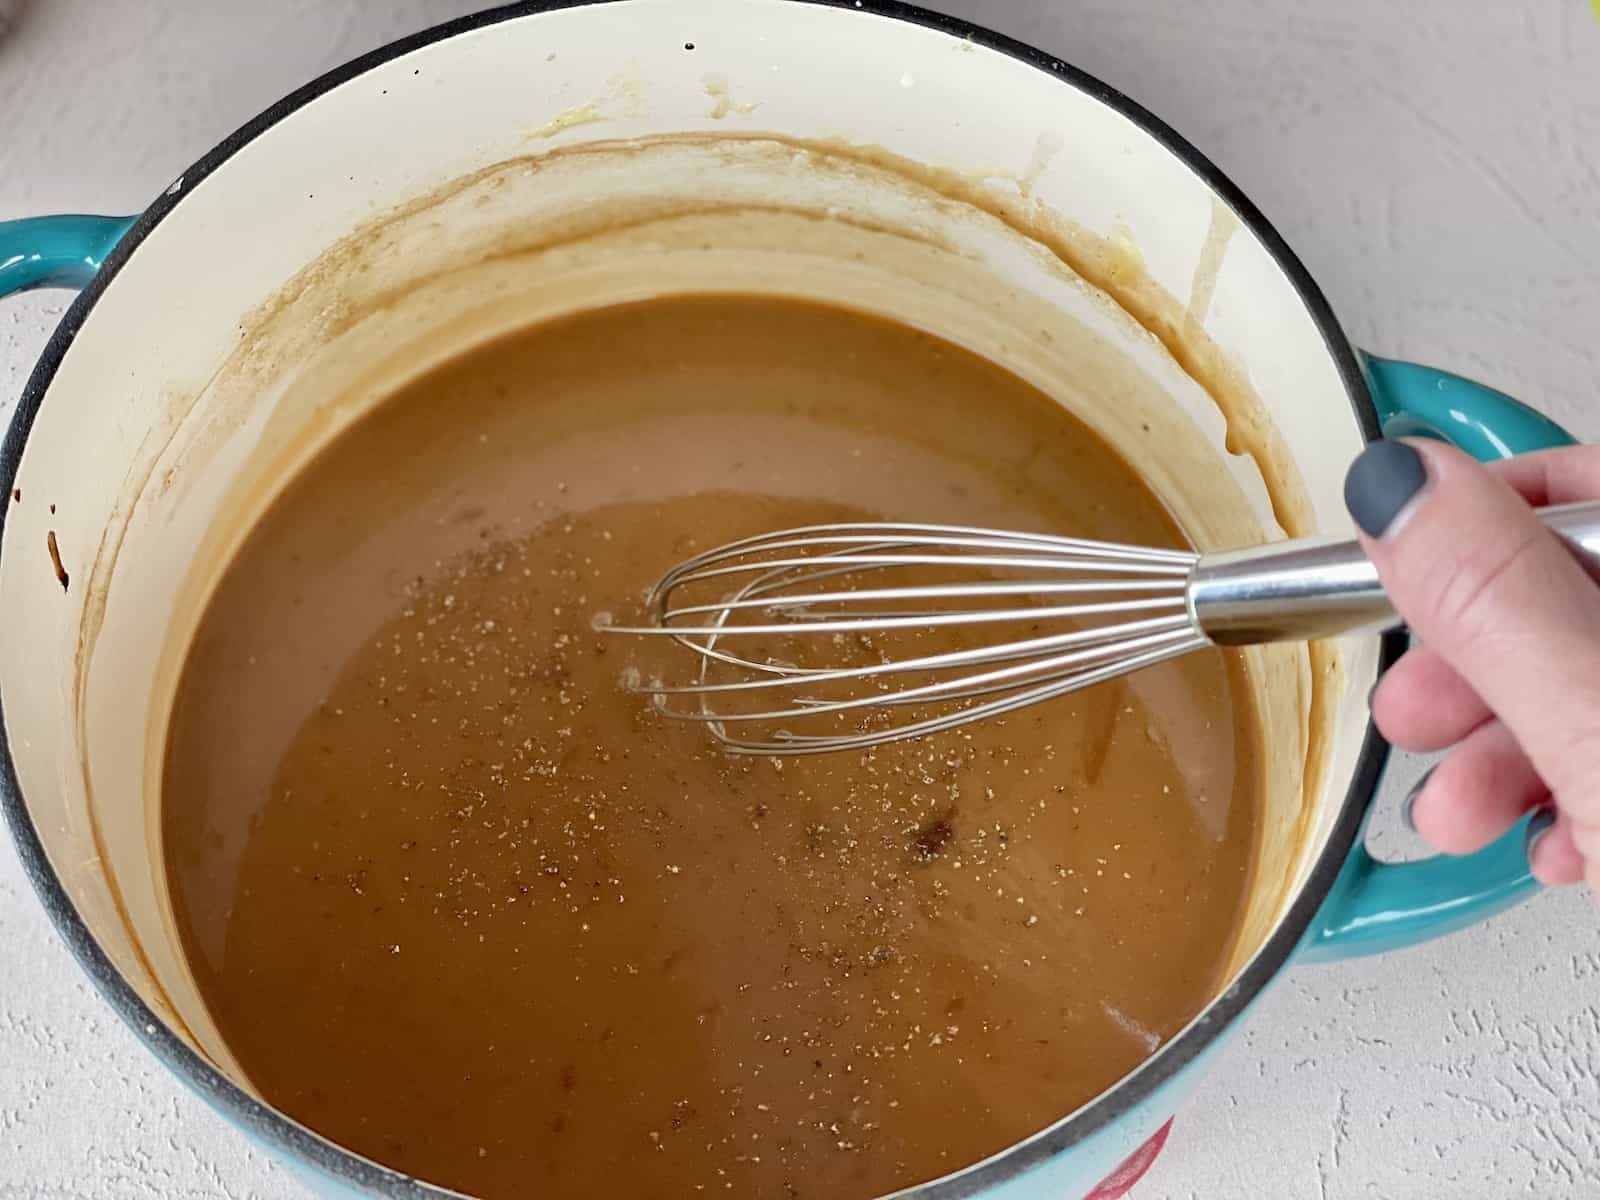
{"points": [[279, 1132]]}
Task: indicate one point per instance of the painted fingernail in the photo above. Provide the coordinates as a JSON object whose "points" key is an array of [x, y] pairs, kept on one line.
{"points": [[1382, 481], [1539, 828], [1409, 804]]}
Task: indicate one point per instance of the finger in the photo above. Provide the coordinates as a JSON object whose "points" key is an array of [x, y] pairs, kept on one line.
{"points": [[1422, 704], [1586, 843], [1554, 856], [1480, 790], [1557, 476], [1554, 477], [1490, 589], [1585, 839]]}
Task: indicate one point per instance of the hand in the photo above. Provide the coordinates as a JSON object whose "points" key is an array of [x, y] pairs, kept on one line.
{"points": [[1506, 674]]}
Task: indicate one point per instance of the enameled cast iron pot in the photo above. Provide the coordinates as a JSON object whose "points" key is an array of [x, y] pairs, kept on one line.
{"points": [[118, 458]]}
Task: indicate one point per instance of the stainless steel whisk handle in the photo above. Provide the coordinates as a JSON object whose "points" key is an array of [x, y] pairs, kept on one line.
{"points": [[1313, 588]]}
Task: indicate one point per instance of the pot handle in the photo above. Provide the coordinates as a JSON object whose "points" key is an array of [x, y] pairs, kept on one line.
{"points": [[62, 251], [1376, 906]]}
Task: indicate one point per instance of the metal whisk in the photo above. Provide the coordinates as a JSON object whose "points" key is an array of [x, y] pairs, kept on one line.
{"points": [[806, 640]]}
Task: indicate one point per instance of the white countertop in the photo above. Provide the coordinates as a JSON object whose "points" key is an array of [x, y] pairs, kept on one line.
{"points": [[1435, 163]]}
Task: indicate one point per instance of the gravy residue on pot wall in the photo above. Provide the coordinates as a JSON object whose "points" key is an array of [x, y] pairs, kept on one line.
{"points": [[457, 901]]}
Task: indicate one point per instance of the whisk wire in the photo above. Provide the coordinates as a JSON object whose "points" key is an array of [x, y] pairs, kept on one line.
{"points": [[872, 621], [1102, 606], [790, 676], [1055, 666], [786, 742]]}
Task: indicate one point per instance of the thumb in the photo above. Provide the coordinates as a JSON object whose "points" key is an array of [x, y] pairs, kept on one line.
{"points": [[1488, 587]]}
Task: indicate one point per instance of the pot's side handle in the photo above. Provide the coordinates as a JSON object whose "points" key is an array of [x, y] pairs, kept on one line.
{"points": [[1418, 401], [63, 251], [1376, 906]]}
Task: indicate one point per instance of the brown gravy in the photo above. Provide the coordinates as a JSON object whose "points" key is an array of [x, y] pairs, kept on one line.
{"points": [[459, 902]]}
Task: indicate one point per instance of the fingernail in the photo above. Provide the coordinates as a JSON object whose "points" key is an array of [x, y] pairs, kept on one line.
{"points": [[1382, 481], [1409, 804], [1539, 827], [1371, 693]]}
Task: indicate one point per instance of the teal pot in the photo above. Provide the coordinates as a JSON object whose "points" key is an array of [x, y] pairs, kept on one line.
{"points": [[408, 199]]}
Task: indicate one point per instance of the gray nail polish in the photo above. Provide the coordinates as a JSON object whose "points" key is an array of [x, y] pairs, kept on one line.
{"points": [[1384, 478], [1409, 804]]}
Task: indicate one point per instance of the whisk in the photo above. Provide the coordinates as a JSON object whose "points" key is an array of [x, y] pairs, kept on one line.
{"points": [[807, 640]]}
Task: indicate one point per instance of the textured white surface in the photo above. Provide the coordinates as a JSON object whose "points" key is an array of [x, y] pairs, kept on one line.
{"points": [[1437, 165]]}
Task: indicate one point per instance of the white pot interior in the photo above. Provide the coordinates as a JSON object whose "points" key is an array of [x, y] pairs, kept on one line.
{"points": [[493, 178]]}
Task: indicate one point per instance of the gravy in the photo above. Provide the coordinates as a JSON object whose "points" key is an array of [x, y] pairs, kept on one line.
{"points": [[459, 902]]}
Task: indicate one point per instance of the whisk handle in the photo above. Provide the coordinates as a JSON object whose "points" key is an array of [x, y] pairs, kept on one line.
{"points": [[1315, 588]]}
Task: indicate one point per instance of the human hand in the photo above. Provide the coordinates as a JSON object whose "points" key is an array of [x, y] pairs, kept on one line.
{"points": [[1506, 674]]}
